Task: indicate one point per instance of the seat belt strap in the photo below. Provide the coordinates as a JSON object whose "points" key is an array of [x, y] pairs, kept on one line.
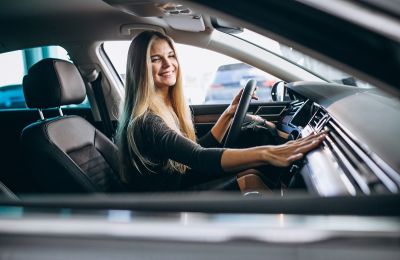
{"points": [[102, 106]]}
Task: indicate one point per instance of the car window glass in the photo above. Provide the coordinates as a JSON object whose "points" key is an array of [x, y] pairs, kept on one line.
{"points": [[317, 67], [15, 64], [209, 77]]}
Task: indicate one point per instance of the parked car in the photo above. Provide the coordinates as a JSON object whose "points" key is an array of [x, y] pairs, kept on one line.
{"points": [[230, 78], [11, 96], [341, 201]]}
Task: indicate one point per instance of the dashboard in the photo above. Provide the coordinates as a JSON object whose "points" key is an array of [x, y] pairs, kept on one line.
{"points": [[348, 162]]}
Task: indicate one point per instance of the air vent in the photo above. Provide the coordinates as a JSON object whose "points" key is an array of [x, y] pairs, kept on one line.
{"points": [[319, 119], [366, 174], [294, 106]]}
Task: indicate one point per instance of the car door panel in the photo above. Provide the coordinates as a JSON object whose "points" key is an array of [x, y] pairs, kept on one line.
{"points": [[205, 116]]}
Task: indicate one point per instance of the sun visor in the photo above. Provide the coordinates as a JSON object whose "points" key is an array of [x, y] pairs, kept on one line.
{"points": [[191, 23], [134, 28], [178, 16]]}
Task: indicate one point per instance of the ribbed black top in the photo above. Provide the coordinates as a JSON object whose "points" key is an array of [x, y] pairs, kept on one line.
{"points": [[158, 143]]}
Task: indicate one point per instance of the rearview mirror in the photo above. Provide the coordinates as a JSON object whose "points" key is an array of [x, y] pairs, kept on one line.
{"points": [[278, 91]]}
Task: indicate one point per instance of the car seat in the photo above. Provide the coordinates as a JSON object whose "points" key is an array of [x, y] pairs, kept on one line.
{"points": [[66, 153]]}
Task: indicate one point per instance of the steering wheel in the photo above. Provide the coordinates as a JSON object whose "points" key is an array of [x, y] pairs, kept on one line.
{"points": [[240, 113]]}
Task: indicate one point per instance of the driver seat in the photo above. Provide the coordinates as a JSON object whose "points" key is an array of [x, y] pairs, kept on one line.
{"points": [[66, 153]]}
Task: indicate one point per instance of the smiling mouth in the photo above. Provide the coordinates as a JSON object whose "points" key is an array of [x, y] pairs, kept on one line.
{"points": [[167, 74]]}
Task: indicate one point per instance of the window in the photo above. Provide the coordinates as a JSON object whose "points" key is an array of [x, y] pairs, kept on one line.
{"points": [[209, 77], [14, 65], [314, 66]]}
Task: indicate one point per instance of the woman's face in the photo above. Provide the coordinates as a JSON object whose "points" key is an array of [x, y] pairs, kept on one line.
{"points": [[164, 64]]}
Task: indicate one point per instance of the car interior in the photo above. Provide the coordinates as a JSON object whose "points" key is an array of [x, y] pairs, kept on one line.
{"points": [[317, 66], [70, 150]]}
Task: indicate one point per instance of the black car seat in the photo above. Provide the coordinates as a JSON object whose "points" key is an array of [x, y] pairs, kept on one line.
{"points": [[66, 153]]}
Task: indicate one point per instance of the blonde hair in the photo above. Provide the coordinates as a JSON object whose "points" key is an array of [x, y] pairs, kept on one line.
{"points": [[139, 101]]}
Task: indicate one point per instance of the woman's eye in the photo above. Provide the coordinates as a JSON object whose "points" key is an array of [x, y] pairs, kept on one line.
{"points": [[155, 59]]}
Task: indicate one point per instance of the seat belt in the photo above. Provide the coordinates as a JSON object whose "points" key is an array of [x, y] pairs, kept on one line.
{"points": [[102, 106]]}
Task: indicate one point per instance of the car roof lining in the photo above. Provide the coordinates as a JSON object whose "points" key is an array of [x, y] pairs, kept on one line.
{"points": [[49, 22]]}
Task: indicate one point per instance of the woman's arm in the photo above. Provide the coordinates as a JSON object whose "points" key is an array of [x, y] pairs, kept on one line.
{"points": [[161, 142], [234, 160], [221, 126]]}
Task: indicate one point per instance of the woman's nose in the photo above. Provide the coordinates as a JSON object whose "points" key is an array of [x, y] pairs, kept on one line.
{"points": [[166, 63]]}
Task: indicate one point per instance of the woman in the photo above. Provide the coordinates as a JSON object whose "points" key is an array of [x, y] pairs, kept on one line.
{"points": [[156, 137]]}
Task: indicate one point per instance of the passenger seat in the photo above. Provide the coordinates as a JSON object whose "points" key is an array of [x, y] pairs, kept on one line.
{"points": [[67, 154]]}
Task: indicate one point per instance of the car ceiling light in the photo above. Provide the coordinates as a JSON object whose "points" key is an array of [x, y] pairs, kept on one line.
{"points": [[180, 17], [175, 9]]}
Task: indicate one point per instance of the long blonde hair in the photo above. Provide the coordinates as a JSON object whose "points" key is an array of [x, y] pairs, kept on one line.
{"points": [[139, 101]]}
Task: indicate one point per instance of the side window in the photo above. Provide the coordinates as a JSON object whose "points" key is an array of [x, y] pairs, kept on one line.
{"points": [[14, 65], [214, 78], [209, 77]]}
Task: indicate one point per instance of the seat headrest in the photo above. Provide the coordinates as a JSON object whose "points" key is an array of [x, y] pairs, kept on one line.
{"points": [[53, 83]]}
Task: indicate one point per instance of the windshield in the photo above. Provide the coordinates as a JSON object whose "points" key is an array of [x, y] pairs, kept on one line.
{"points": [[316, 67]]}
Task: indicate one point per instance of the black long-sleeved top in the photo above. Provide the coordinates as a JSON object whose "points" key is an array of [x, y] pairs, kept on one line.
{"points": [[158, 143]]}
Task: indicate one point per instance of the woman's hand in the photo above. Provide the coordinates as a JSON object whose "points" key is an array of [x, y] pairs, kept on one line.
{"points": [[230, 111], [259, 119], [235, 160], [224, 121], [285, 154]]}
